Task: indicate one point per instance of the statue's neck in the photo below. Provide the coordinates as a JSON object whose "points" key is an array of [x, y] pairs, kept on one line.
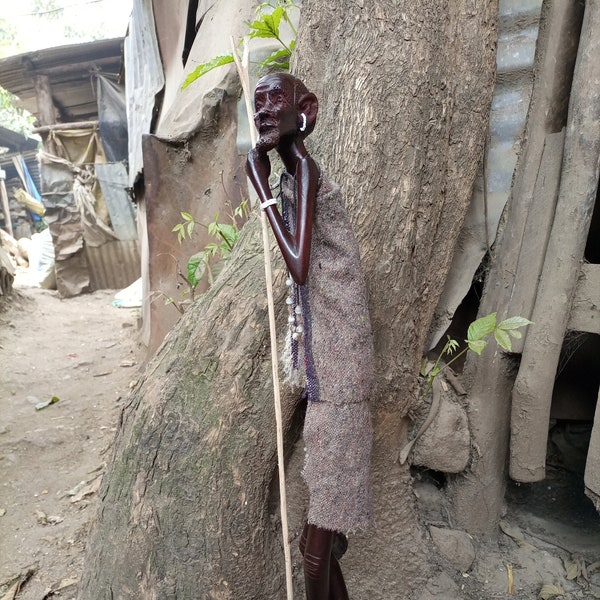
{"points": [[291, 154]]}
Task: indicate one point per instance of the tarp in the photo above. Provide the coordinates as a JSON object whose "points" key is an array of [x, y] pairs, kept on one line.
{"points": [[144, 80], [113, 182], [31, 189], [112, 119], [64, 221]]}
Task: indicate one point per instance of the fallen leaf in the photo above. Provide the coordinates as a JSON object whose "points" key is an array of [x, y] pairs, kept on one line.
{"points": [[16, 584], [41, 517], [57, 587], [512, 531], [65, 583], [593, 567], [44, 519], [573, 570], [87, 491], [516, 534], [75, 490], [549, 590], [52, 400], [12, 592]]}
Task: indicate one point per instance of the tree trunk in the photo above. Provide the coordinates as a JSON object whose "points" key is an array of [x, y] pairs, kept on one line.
{"points": [[189, 502], [405, 90]]}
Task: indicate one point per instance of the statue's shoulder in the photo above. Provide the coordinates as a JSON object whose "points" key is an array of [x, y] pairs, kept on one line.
{"points": [[327, 186]]}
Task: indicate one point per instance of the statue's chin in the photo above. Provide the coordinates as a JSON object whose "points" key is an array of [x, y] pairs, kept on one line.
{"points": [[268, 139]]}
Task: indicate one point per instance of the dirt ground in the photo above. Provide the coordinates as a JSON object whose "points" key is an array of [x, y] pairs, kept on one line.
{"points": [[86, 353]]}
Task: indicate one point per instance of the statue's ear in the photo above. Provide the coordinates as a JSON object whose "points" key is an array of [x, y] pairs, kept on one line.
{"points": [[309, 105]]}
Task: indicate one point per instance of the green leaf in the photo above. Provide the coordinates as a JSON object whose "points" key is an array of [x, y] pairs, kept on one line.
{"points": [[477, 345], [178, 227], [514, 333], [514, 323], [451, 345], [481, 328], [277, 58], [204, 68], [229, 233], [240, 209], [503, 339], [190, 228], [267, 26], [187, 216], [196, 268], [211, 249]]}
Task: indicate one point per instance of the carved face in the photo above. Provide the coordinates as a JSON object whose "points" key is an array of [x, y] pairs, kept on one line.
{"points": [[276, 116]]}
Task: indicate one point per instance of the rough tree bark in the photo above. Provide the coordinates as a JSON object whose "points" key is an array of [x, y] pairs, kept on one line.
{"points": [[189, 503], [405, 89]]}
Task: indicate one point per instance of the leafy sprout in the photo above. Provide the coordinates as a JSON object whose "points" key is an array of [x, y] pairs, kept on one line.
{"points": [[266, 25], [477, 339]]}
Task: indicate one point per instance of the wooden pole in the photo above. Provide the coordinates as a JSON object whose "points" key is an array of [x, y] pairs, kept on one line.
{"points": [[532, 393], [63, 126], [5, 205], [46, 109], [243, 73]]}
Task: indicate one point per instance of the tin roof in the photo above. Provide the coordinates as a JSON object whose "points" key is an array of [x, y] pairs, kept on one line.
{"points": [[70, 71]]}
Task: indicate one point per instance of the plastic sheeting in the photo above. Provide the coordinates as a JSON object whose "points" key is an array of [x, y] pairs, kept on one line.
{"points": [[112, 119], [113, 182], [144, 81], [64, 221]]}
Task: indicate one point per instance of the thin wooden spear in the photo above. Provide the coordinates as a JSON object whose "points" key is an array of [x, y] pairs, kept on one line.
{"points": [[242, 67]]}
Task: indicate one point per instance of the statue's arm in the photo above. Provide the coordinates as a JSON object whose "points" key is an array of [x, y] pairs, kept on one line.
{"points": [[295, 246]]}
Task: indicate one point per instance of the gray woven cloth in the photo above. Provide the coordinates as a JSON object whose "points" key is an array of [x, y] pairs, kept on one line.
{"points": [[339, 367]]}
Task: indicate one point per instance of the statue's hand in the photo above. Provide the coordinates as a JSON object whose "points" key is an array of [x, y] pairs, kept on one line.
{"points": [[258, 165]]}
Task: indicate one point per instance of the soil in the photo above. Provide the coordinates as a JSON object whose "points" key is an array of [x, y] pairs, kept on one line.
{"points": [[86, 353]]}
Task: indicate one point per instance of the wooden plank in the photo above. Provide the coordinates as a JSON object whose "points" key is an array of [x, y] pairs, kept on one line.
{"points": [[46, 112], [532, 392]]}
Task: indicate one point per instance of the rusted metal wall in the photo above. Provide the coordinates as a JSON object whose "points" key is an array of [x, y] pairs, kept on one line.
{"points": [[189, 161]]}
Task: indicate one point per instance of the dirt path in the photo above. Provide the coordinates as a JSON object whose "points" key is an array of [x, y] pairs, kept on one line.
{"points": [[86, 353]]}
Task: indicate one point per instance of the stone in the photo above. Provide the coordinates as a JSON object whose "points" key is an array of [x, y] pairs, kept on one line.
{"points": [[440, 587], [454, 545], [446, 444]]}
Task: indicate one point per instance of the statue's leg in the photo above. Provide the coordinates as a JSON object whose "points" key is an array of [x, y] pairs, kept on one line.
{"points": [[323, 577]]}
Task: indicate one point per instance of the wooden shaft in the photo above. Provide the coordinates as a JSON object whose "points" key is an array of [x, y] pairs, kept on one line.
{"points": [[63, 126], [243, 74], [6, 207], [532, 393]]}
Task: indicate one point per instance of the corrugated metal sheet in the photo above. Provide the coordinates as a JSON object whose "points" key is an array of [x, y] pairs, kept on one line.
{"points": [[70, 70], [518, 30], [114, 265], [517, 37]]}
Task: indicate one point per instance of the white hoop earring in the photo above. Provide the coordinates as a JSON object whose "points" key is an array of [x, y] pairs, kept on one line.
{"points": [[303, 126]]}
